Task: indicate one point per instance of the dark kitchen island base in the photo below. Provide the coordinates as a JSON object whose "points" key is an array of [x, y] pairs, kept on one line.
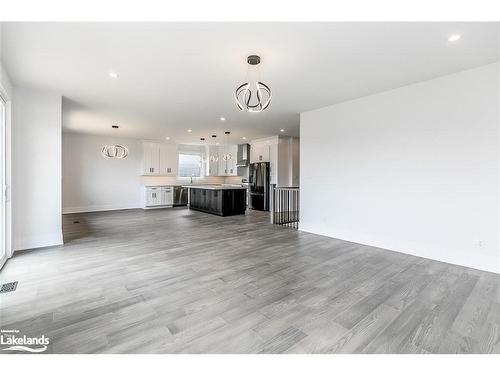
{"points": [[221, 201]]}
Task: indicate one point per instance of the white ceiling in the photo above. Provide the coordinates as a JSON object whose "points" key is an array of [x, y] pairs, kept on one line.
{"points": [[175, 76]]}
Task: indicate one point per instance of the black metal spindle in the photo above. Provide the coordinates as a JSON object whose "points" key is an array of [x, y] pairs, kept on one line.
{"points": [[296, 210], [281, 210], [274, 206], [285, 206], [279, 206], [286, 210], [288, 207], [297, 199]]}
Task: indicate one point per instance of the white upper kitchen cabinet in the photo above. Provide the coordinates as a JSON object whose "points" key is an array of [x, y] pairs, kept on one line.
{"points": [[159, 159], [169, 159], [259, 151], [228, 167], [232, 170], [282, 153], [213, 166], [222, 167], [231, 164], [151, 158]]}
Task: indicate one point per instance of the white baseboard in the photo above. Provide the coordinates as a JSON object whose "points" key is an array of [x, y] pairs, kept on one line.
{"points": [[74, 210], [427, 252], [34, 242], [156, 207]]}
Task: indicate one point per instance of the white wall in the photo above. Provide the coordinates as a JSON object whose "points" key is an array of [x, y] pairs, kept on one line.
{"points": [[36, 169], [294, 156], [414, 169], [5, 83], [92, 182]]}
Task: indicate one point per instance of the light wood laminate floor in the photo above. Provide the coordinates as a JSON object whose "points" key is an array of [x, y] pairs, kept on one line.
{"points": [[180, 281]]}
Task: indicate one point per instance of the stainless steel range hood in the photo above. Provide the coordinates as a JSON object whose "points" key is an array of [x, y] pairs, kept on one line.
{"points": [[243, 157]]}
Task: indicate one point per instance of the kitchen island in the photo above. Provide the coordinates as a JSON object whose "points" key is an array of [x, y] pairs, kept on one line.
{"points": [[222, 200]]}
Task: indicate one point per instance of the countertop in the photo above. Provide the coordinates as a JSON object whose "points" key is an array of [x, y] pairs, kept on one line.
{"points": [[216, 187]]}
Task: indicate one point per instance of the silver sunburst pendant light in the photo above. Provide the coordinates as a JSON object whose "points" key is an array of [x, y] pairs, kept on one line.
{"points": [[114, 151], [214, 157], [226, 156], [254, 97], [203, 156]]}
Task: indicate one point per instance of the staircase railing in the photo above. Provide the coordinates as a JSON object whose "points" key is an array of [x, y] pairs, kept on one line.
{"points": [[286, 206]]}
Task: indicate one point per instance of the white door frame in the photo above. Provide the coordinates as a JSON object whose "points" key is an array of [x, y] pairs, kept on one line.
{"points": [[6, 215], [3, 227]]}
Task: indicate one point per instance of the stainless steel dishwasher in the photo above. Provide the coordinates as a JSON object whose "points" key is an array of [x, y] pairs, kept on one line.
{"points": [[180, 196]]}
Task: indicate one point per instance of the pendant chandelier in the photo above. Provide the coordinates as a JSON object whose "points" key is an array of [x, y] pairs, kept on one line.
{"points": [[256, 97], [226, 156], [114, 152], [203, 156], [214, 158]]}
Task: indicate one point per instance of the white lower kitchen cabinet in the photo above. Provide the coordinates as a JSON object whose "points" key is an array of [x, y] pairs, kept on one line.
{"points": [[158, 196], [167, 197], [152, 197]]}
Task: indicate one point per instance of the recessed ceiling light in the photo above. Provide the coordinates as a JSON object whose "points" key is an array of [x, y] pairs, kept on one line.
{"points": [[190, 130], [223, 119], [113, 75], [454, 38], [243, 137], [282, 130], [167, 138]]}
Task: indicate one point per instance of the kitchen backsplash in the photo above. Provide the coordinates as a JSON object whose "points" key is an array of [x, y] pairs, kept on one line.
{"points": [[233, 180], [165, 180]]}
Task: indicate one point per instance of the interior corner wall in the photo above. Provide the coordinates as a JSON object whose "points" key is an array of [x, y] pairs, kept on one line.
{"points": [[36, 168], [94, 183], [414, 170]]}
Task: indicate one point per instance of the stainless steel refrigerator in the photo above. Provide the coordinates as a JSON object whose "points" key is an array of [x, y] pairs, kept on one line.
{"points": [[258, 186]]}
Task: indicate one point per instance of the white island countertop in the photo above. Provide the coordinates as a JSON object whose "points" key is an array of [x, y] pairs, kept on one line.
{"points": [[215, 187]]}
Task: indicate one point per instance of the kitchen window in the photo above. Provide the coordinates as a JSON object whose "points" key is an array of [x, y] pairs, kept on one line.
{"points": [[190, 164]]}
